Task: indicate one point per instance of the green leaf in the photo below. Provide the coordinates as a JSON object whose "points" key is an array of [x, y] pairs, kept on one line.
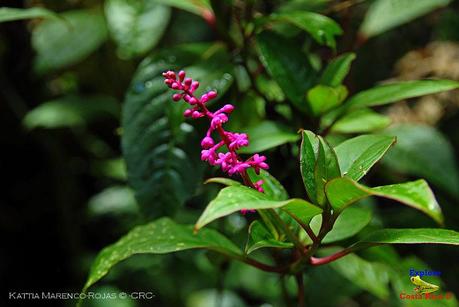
{"points": [[308, 154], [356, 156], [198, 7], [261, 237], [110, 168], [384, 15], [268, 135], [222, 180], [337, 70], [269, 88], [322, 28], [424, 151], [136, 26], [113, 200], [361, 121], [288, 66], [235, 198], [389, 93], [11, 14], [157, 145], [302, 211], [326, 168], [349, 223], [59, 45], [342, 192], [71, 111], [409, 236], [323, 98], [159, 237], [271, 186], [370, 276]]}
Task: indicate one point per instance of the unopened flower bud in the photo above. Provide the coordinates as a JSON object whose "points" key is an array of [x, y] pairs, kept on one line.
{"points": [[181, 75], [212, 95], [171, 75], [204, 98], [188, 81], [207, 142], [187, 112], [176, 97], [175, 86], [193, 101], [196, 114], [194, 86], [227, 108]]}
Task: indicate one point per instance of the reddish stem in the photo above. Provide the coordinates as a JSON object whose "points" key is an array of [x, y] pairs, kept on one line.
{"points": [[320, 261]]}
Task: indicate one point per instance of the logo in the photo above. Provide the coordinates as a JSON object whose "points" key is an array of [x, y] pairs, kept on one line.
{"points": [[422, 286], [424, 290]]}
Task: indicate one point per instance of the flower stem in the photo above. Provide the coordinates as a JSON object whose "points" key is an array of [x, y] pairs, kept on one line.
{"points": [[224, 137]]}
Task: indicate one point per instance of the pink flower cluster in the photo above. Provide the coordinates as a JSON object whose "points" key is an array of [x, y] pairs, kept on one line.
{"points": [[211, 152]]}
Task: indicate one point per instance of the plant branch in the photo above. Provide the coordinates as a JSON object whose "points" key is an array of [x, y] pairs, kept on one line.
{"points": [[320, 261], [262, 266], [300, 284]]}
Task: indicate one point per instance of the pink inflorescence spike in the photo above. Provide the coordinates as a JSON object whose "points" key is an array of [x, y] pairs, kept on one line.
{"points": [[229, 161]]}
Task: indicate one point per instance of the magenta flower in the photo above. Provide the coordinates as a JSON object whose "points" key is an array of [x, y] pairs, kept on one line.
{"points": [[229, 161]]}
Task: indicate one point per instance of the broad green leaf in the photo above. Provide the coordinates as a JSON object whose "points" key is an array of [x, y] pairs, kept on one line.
{"points": [[59, 45], [110, 168], [235, 198], [198, 7], [370, 276], [342, 192], [136, 26], [309, 151], [424, 151], [302, 211], [269, 88], [11, 14], [268, 135], [288, 66], [409, 236], [361, 121], [271, 186], [261, 237], [326, 168], [159, 237], [337, 70], [389, 93], [113, 200], [156, 142], [384, 15], [71, 111], [356, 156], [322, 28], [323, 98], [349, 223], [222, 180]]}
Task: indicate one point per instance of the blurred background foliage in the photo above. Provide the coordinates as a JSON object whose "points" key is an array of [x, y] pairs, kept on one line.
{"points": [[81, 98]]}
